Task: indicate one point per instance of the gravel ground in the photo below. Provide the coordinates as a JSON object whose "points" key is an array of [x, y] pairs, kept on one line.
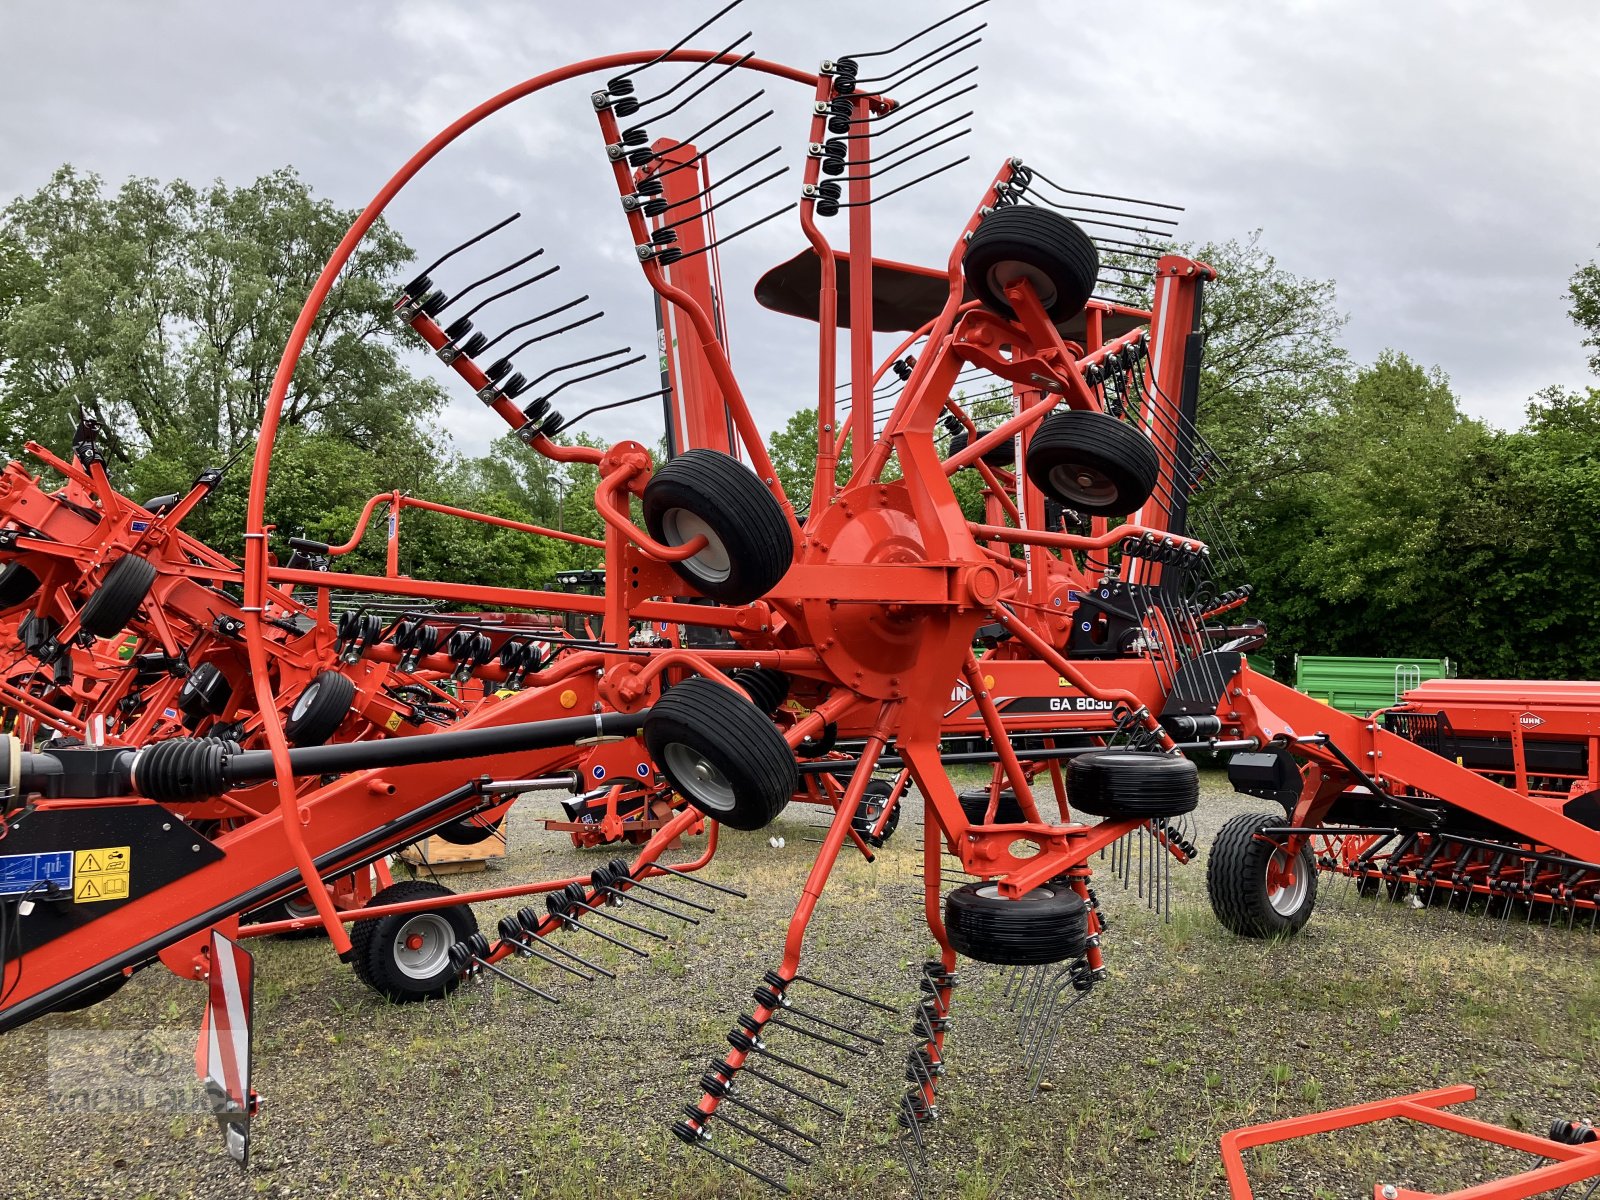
{"points": [[495, 1092]]}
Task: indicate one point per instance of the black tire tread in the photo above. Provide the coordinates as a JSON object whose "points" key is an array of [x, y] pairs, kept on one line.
{"points": [[335, 692], [1121, 783], [975, 803], [1113, 446], [1055, 244], [1236, 870], [728, 497], [17, 584], [1033, 930], [118, 597], [369, 945], [740, 734]]}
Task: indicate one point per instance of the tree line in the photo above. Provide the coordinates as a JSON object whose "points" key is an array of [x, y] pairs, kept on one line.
{"points": [[1372, 515]]}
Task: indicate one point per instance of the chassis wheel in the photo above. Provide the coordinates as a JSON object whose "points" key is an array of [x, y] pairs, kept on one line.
{"points": [[975, 802], [871, 808], [17, 584], [1049, 924], [112, 606], [750, 546], [320, 709], [297, 907], [722, 753], [205, 693], [470, 831], [1257, 889], [1048, 250], [1002, 456], [1132, 783], [406, 957], [1092, 462]]}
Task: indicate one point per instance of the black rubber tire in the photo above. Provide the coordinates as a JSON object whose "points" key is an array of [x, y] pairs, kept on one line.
{"points": [[1003, 455], [706, 491], [1132, 783], [1093, 463], [975, 803], [1236, 879], [297, 906], [1048, 248], [376, 944], [91, 994], [17, 584], [205, 693], [1049, 924], [320, 709], [871, 808], [469, 831], [749, 771], [127, 583]]}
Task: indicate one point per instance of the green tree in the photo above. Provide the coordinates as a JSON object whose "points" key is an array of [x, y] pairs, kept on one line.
{"points": [[161, 311]]}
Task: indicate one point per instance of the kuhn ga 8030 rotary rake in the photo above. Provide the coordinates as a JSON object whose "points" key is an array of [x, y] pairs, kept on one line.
{"points": [[200, 742]]}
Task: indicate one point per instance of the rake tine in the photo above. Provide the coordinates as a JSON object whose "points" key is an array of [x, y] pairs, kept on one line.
{"points": [[1037, 1075], [620, 895], [673, 896], [905, 1160], [577, 958], [855, 1033], [716, 887], [577, 924], [763, 1139], [837, 991], [795, 1092], [827, 1041], [527, 948], [729, 1098], [521, 983], [761, 1048], [702, 1142], [619, 920]]}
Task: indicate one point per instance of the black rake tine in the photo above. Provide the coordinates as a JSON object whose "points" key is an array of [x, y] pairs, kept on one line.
{"points": [[774, 1023], [729, 1098], [702, 1144], [471, 241], [521, 983], [623, 921], [527, 948], [639, 883], [762, 1138], [702, 882], [681, 42], [828, 987], [902, 44], [620, 895], [757, 1073], [560, 949]]}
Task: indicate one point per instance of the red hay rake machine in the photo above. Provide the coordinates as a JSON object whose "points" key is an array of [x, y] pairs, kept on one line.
{"points": [[199, 742]]}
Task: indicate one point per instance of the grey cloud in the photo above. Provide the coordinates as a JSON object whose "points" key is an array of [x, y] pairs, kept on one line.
{"points": [[1436, 158]]}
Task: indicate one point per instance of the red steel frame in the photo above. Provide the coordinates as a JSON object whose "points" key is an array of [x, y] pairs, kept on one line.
{"points": [[889, 585]]}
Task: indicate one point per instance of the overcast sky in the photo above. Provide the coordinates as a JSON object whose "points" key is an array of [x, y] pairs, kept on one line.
{"points": [[1437, 159]]}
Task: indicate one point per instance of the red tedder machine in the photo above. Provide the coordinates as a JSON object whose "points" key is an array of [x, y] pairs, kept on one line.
{"points": [[201, 741]]}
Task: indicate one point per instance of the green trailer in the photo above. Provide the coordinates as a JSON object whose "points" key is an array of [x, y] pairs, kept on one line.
{"points": [[1361, 685]]}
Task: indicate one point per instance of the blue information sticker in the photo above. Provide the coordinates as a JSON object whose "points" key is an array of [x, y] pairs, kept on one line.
{"points": [[24, 872]]}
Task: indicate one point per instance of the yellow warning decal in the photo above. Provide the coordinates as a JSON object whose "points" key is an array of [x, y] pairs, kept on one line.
{"points": [[101, 874], [393, 722]]}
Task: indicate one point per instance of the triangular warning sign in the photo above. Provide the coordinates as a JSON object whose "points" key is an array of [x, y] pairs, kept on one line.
{"points": [[88, 891], [89, 863]]}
